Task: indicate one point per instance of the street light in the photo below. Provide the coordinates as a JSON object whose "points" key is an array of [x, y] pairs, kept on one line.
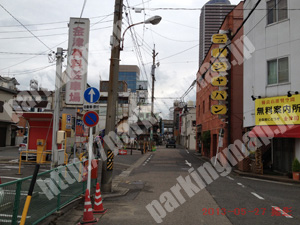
{"points": [[154, 20], [112, 95]]}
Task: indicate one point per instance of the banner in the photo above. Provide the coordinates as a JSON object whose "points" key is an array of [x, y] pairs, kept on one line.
{"points": [[277, 110], [77, 60]]}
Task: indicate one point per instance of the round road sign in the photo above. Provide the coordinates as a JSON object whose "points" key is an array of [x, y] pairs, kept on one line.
{"points": [[90, 118]]}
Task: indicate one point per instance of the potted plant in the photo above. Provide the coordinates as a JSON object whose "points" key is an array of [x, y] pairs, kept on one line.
{"points": [[296, 169]]}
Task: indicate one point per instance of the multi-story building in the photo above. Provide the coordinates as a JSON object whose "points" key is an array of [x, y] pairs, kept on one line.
{"points": [[8, 91], [188, 126], [211, 18], [272, 84], [130, 74], [216, 130]]}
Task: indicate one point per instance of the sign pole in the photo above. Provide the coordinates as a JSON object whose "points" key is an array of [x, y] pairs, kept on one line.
{"points": [[90, 159]]}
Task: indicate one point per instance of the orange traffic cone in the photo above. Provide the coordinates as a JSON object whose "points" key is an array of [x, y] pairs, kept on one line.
{"points": [[88, 217], [98, 206]]}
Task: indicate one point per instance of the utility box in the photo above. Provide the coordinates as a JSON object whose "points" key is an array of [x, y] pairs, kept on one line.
{"points": [[41, 147], [61, 136], [59, 156]]}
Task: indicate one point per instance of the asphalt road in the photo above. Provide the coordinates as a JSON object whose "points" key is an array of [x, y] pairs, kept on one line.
{"points": [[227, 200]]}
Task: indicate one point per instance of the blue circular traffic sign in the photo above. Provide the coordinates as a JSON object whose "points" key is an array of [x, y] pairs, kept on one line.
{"points": [[91, 95], [90, 118]]}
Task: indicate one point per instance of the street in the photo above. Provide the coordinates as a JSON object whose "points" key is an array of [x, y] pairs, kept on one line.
{"points": [[227, 200]]}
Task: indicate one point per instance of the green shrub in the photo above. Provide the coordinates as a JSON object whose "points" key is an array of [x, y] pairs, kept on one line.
{"points": [[296, 165]]}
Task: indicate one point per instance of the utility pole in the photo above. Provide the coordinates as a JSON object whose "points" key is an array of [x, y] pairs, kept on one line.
{"points": [[55, 126], [106, 179], [154, 54]]}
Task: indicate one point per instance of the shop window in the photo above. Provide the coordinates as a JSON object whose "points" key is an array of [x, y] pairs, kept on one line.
{"points": [[278, 71], [277, 10]]}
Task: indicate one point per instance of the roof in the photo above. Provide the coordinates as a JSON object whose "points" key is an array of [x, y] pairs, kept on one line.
{"points": [[8, 79], [8, 90], [34, 115], [219, 2]]}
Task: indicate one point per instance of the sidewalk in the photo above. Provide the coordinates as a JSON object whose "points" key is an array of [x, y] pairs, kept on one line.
{"points": [[278, 178], [73, 212]]}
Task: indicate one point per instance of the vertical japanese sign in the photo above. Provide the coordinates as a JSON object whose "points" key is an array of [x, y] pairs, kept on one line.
{"points": [[77, 60]]}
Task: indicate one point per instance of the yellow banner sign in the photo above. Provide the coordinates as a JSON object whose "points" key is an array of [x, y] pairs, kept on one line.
{"points": [[277, 110], [218, 109], [219, 81], [216, 53], [218, 95], [219, 38], [219, 67]]}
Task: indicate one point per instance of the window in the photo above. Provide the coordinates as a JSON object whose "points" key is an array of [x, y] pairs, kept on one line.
{"points": [[1, 106], [278, 71], [277, 10]]}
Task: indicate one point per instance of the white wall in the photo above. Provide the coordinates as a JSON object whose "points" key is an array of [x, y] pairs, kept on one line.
{"points": [[271, 41]]}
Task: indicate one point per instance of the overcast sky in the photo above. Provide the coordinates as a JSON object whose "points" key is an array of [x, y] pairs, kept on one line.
{"points": [[176, 39]]}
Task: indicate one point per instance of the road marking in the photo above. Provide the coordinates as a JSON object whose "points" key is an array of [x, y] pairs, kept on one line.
{"points": [[189, 164], [241, 185], [282, 212], [269, 181], [14, 178], [147, 160], [257, 196], [12, 167], [14, 160], [230, 178], [5, 169]]}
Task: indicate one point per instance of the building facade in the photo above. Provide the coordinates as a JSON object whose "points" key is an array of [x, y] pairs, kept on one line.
{"points": [[271, 84], [8, 91], [130, 74], [211, 18], [216, 131], [188, 127]]}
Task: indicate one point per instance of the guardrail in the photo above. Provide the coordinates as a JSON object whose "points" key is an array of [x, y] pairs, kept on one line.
{"points": [[13, 194]]}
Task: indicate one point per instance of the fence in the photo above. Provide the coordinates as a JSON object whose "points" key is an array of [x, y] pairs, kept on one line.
{"points": [[13, 194]]}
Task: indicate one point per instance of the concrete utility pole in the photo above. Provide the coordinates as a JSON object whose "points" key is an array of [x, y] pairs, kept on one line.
{"points": [[106, 178], [55, 127], [154, 54]]}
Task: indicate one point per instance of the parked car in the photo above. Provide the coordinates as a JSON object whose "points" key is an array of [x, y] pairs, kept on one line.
{"points": [[171, 143]]}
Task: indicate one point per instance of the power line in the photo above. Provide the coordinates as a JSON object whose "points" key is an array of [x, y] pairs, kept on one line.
{"points": [[173, 39], [22, 53], [178, 53], [49, 23], [30, 71], [54, 28], [196, 9], [25, 27], [240, 27]]}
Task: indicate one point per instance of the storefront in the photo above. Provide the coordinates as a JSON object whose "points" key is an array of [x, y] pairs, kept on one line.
{"points": [[277, 119]]}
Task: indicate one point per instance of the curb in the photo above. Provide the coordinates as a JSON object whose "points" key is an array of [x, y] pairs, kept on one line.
{"points": [[253, 175], [266, 177]]}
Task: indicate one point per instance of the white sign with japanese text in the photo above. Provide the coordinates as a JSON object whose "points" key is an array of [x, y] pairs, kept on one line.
{"points": [[79, 29]]}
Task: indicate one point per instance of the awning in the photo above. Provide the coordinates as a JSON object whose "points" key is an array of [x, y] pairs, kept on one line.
{"points": [[281, 131]]}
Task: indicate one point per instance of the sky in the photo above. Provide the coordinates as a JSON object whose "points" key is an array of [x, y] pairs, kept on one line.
{"points": [[176, 39]]}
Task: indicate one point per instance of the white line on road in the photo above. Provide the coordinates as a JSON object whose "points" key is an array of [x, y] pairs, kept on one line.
{"points": [[14, 160], [282, 212], [189, 164], [269, 181], [257, 196], [241, 185], [230, 178], [14, 178]]}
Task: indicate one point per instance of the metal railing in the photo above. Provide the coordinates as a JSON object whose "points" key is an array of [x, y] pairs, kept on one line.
{"points": [[54, 189]]}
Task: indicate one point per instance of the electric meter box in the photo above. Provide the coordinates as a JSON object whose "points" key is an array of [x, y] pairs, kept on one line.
{"points": [[61, 136]]}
